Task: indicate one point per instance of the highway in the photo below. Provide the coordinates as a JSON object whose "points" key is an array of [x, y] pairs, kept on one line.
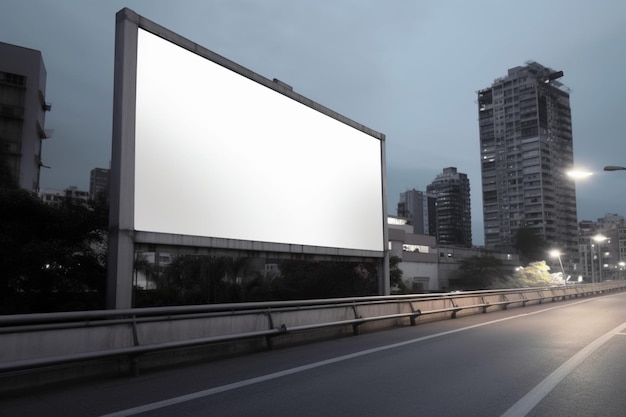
{"points": [[555, 359]]}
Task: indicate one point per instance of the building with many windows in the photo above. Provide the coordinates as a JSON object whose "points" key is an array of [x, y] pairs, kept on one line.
{"points": [[451, 190], [602, 248], [526, 150], [22, 114], [99, 182], [418, 208]]}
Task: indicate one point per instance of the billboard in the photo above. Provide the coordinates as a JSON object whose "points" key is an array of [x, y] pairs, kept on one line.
{"points": [[218, 154]]}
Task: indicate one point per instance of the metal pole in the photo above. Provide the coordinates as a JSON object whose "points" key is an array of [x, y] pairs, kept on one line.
{"points": [[593, 272], [600, 261]]}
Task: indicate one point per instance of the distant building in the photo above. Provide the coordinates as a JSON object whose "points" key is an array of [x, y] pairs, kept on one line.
{"points": [[602, 249], [419, 209], [451, 190], [99, 182], [418, 253], [56, 197], [428, 267], [526, 149], [22, 114]]}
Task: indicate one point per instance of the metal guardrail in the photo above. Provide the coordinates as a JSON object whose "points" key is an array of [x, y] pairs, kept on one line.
{"points": [[294, 316]]}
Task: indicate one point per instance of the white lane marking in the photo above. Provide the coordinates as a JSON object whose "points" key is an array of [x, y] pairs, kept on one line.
{"points": [[268, 377], [534, 396]]}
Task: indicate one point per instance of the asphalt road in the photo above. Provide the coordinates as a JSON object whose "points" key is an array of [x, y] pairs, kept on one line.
{"points": [[556, 359]]}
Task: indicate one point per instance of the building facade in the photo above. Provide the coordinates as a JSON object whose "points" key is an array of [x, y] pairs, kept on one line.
{"points": [[602, 249], [419, 209], [56, 197], [99, 182], [451, 190], [526, 150], [22, 114]]}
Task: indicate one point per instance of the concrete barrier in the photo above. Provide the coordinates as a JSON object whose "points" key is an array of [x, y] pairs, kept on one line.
{"points": [[62, 346]]}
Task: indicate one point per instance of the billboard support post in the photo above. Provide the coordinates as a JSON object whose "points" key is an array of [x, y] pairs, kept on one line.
{"points": [[121, 246]]}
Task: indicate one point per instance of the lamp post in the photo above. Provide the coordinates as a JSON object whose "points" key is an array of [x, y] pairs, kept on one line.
{"points": [[599, 239], [621, 268], [556, 254]]}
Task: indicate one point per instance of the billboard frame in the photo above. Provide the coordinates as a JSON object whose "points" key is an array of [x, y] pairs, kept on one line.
{"points": [[123, 239]]}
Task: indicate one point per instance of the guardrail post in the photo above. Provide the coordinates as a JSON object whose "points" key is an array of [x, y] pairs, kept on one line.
{"points": [[417, 313], [486, 304], [505, 301], [355, 326], [456, 308], [524, 299], [134, 358], [268, 339]]}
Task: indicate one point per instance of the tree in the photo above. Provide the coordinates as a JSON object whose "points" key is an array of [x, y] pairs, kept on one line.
{"points": [[53, 258], [530, 246], [535, 274], [316, 279], [480, 272], [395, 275]]}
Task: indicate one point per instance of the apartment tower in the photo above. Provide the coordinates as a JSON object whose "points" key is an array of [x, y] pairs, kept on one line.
{"points": [[451, 190], [525, 151], [419, 209]]}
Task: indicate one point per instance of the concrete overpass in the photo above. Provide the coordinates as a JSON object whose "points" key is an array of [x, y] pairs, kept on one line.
{"points": [[551, 359]]}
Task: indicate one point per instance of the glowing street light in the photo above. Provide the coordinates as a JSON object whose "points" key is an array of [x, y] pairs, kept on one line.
{"points": [[556, 254], [577, 174]]}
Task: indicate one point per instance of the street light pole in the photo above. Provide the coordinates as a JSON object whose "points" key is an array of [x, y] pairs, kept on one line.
{"points": [[593, 268], [557, 254], [599, 239]]}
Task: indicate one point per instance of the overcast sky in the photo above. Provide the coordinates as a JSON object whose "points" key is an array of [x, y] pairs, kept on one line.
{"points": [[408, 69]]}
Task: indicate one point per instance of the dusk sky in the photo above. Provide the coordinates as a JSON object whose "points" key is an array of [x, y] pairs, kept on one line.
{"points": [[408, 69]]}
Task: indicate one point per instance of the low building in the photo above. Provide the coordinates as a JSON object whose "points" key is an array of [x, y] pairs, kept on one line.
{"points": [[427, 267], [56, 197]]}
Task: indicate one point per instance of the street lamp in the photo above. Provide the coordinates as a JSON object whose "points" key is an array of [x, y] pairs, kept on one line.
{"points": [[614, 168], [621, 268], [556, 254], [599, 239], [577, 174]]}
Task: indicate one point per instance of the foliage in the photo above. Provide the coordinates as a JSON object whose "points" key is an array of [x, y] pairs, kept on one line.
{"points": [[480, 272], [53, 258], [395, 275], [193, 280], [535, 274], [210, 279], [310, 279], [530, 246]]}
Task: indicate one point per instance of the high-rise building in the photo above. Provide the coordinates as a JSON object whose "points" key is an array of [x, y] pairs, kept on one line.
{"points": [[419, 209], [525, 151], [451, 190], [99, 182], [22, 114]]}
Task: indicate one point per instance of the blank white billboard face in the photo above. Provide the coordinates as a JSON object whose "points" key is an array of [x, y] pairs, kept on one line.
{"points": [[220, 155]]}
